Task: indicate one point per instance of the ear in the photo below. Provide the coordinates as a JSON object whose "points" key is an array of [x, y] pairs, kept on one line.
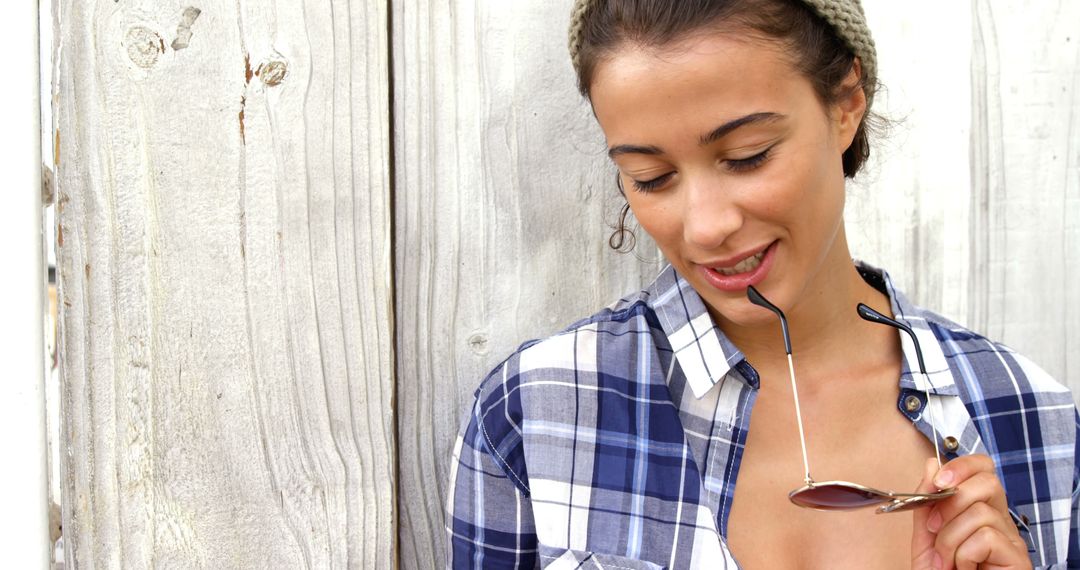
{"points": [[850, 108]]}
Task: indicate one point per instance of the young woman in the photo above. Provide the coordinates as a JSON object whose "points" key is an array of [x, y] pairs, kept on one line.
{"points": [[670, 430]]}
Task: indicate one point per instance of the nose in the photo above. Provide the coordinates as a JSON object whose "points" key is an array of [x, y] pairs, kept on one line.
{"points": [[710, 214]]}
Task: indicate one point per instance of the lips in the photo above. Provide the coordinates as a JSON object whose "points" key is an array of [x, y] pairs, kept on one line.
{"points": [[738, 273]]}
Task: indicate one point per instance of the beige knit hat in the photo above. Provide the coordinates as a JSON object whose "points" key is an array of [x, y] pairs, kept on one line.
{"points": [[845, 16]]}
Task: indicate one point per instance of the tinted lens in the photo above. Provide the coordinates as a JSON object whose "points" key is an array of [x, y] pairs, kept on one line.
{"points": [[836, 497]]}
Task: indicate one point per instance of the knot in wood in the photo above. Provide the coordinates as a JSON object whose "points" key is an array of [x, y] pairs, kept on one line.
{"points": [[478, 343], [144, 46], [273, 72]]}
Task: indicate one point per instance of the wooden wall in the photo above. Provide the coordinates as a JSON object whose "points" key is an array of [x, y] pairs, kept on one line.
{"points": [[225, 275], [295, 235]]}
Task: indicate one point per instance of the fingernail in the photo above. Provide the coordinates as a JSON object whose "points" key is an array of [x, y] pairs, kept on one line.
{"points": [[937, 563], [943, 478], [933, 524]]}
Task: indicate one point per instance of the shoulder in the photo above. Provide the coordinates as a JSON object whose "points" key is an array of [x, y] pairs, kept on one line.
{"points": [[986, 370], [1026, 419], [588, 346], [538, 383], [1020, 416]]}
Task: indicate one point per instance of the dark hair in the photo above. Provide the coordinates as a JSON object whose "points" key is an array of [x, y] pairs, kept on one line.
{"points": [[816, 51]]}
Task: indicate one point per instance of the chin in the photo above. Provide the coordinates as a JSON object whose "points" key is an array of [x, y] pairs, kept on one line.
{"points": [[744, 315], [735, 309]]}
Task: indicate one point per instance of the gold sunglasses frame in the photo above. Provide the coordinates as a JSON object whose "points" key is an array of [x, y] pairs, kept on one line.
{"points": [[894, 502]]}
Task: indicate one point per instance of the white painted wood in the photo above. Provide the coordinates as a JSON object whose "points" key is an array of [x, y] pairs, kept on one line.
{"points": [[908, 210], [24, 534], [223, 194], [503, 194], [1026, 79]]}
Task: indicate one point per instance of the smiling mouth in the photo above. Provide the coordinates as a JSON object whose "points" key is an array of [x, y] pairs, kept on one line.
{"points": [[745, 266]]}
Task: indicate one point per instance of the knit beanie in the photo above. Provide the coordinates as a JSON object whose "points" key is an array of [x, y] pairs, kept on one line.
{"points": [[844, 16]]}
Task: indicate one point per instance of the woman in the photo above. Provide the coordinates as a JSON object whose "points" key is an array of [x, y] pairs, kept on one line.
{"points": [[663, 432]]}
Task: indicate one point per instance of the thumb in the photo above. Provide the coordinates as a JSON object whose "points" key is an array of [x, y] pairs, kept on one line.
{"points": [[922, 540]]}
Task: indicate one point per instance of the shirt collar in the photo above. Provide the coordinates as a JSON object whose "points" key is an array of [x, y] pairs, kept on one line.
{"points": [[706, 355], [703, 352], [941, 380]]}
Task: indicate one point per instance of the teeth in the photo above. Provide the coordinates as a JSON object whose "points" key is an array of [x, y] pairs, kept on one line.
{"points": [[748, 264]]}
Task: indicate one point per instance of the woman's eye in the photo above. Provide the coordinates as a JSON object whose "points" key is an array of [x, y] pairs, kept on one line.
{"points": [[650, 185], [749, 163]]}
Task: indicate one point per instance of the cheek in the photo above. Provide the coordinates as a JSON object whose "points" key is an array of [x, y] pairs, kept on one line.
{"points": [[812, 187], [781, 194], [661, 220]]}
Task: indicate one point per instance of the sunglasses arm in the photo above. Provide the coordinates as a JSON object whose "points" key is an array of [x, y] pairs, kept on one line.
{"points": [[798, 416], [873, 316], [756, 298]]}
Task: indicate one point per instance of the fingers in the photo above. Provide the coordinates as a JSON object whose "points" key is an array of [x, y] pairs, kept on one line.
{"points": [[923, 554], [988, 548], [961, 468], [979, 488], [967, 534], [973, 526]]}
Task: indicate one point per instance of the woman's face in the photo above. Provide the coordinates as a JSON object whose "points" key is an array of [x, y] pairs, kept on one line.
{"points": [[732, 164]]}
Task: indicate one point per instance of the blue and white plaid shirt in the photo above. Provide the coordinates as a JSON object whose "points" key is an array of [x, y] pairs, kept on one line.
{"points": [[583, 449]]}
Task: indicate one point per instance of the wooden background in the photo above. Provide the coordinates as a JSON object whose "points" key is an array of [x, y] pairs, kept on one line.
{"points": [[294, 235], [225, 277]]}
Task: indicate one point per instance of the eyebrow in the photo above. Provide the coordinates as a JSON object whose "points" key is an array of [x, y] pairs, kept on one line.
{"points": [[632, 149], [721, 131], [708, 138]]}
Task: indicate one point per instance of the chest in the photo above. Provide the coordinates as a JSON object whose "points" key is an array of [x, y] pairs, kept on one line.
{"points": [[851, 435]]}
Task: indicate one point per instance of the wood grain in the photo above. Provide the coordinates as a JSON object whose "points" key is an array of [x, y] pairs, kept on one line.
{"points": [[503, 194], [1025, 67], [908, 210], [225, 284]]}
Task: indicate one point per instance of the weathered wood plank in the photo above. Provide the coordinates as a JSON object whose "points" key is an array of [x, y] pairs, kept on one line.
{"points": [[1070, 155], [1025, 187], [225, 272], [503, 193], [908, 210]]}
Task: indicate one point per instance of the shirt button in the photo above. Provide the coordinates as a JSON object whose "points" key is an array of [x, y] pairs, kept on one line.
{"points": [[912, 403], [951, 444]]}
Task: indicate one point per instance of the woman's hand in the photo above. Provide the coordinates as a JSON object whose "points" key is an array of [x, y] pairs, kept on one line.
{"points": [[970, 530]]}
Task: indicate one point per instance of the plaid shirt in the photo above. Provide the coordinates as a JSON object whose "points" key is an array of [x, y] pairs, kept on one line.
{"points": [[585, 450]]}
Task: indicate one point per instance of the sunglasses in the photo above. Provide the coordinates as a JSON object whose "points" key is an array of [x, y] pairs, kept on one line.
{"points": [[843, 495]]}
